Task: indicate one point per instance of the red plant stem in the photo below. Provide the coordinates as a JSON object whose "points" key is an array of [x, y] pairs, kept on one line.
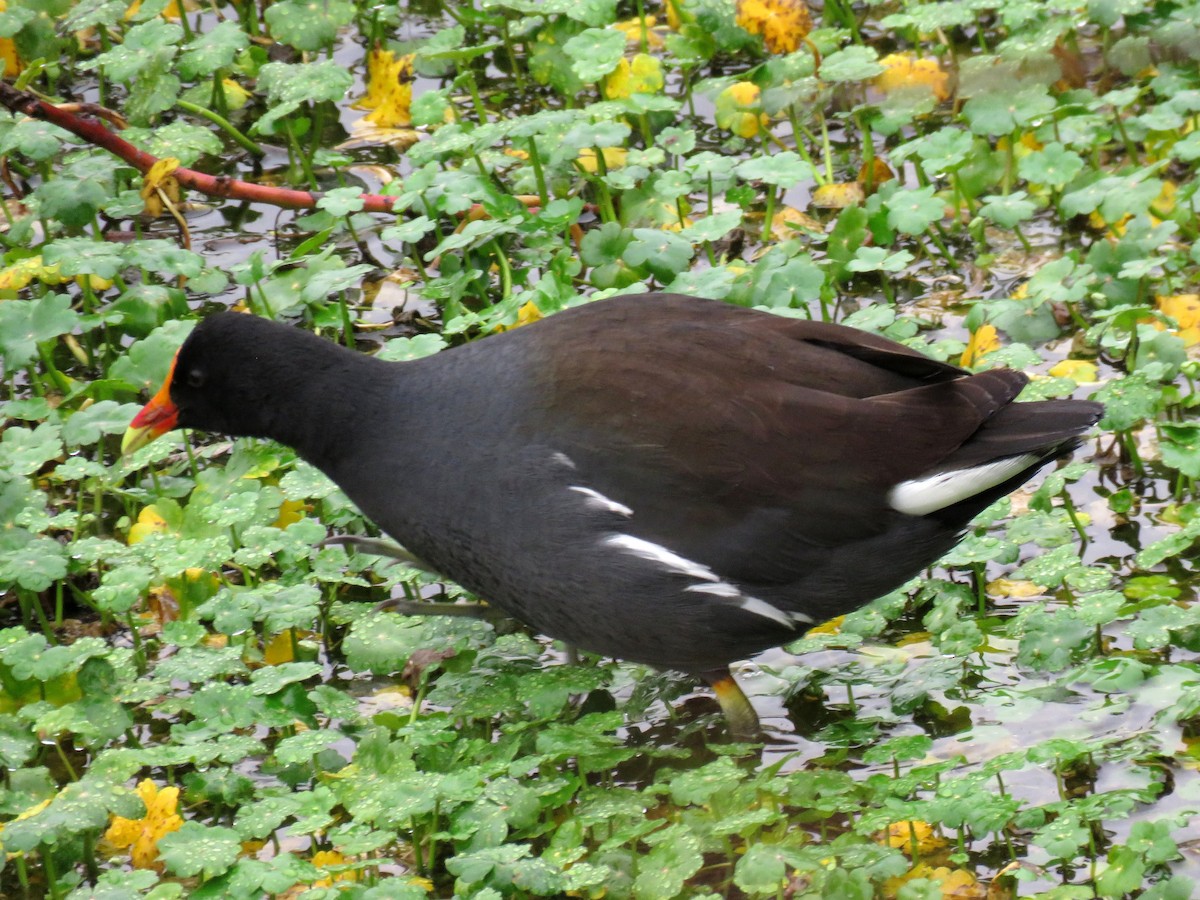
{"points": [[95, 132]]}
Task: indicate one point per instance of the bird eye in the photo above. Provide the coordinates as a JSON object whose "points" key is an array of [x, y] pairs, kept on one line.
{"points": [[195, 378]]}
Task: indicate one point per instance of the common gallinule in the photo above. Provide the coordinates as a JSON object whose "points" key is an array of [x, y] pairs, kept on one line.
{"points": [[669, 480]]}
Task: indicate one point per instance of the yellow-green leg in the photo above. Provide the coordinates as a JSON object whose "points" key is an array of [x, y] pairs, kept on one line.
{"points": [[739, 713]]}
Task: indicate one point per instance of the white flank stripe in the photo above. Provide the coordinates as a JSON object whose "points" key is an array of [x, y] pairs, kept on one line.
{"points": [[562, 459], [659, 554], [716, 588], [711, 583], [921, 496], [596, 500], [767, 611]]}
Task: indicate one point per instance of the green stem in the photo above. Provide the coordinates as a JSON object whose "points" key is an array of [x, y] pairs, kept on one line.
{"points": [[826, 147], [1021, 237], [798, 132], [642, 32], [61, 381], [505, 270], [468, 78], [62, 756], [1130, 146], [224, 124], [139, 650], [937, 236], [47, 854], [539, 174], [768, 215], [517, 72]]}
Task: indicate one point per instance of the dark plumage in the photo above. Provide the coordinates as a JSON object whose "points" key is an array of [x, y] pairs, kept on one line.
{"points": [[664, 479]]}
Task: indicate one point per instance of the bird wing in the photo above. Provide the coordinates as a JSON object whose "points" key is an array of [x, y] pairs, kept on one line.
{"points": [[794, 434]]}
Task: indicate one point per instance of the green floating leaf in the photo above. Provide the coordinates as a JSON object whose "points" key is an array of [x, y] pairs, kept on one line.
{"points": [[24, 325], [1053, 165], [662, 253], [1051, 641], [289, 86], [1008, 210], [197, 849], [1000, 112], [912, 212], [853, 63], [595, 52], [306, 26], [785, 169], [212, 50]]}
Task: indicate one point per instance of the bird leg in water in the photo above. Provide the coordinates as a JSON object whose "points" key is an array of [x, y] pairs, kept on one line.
{"points": [[743, 720], [377, 547]]}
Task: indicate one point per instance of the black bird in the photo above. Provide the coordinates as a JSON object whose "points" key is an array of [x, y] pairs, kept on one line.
{"points": [[660, 478]]}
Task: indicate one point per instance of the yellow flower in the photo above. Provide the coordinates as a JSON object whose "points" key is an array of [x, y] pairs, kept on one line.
{"points": [[832, 626], [641, 75], [389, 89], [323, 858], [142, 835], [23, 271], [1185, 310], [633, 31], [236, 96], [783, 24], [953, 883], [8, 52], [1081, 371], [282, 648], [739, 109], [1009, 587], [614, 158], [902, 70], [983, 341], [160, 187], [901, 835], [149, 521], [290, 512], [173, 9], [677, 15]]}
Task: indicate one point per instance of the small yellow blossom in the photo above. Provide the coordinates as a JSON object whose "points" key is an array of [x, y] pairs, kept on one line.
{"points": [[149, 521], [739, 109], [290, 512], [1081, 371], [955, 884], [8, 52], [783, 24], [983, 341], [142, 835], [23, 271], [324, 858], [676, 14], [1009, 587], [282, 648], [614, 158], [633, 31], [160, 187], [903, 70], [641, 75], [1185, 310], [389, 89], [902, 834], [831, 626]]}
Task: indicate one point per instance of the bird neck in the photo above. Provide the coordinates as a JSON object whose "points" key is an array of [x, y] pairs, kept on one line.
{"points": [[326, 401]]}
